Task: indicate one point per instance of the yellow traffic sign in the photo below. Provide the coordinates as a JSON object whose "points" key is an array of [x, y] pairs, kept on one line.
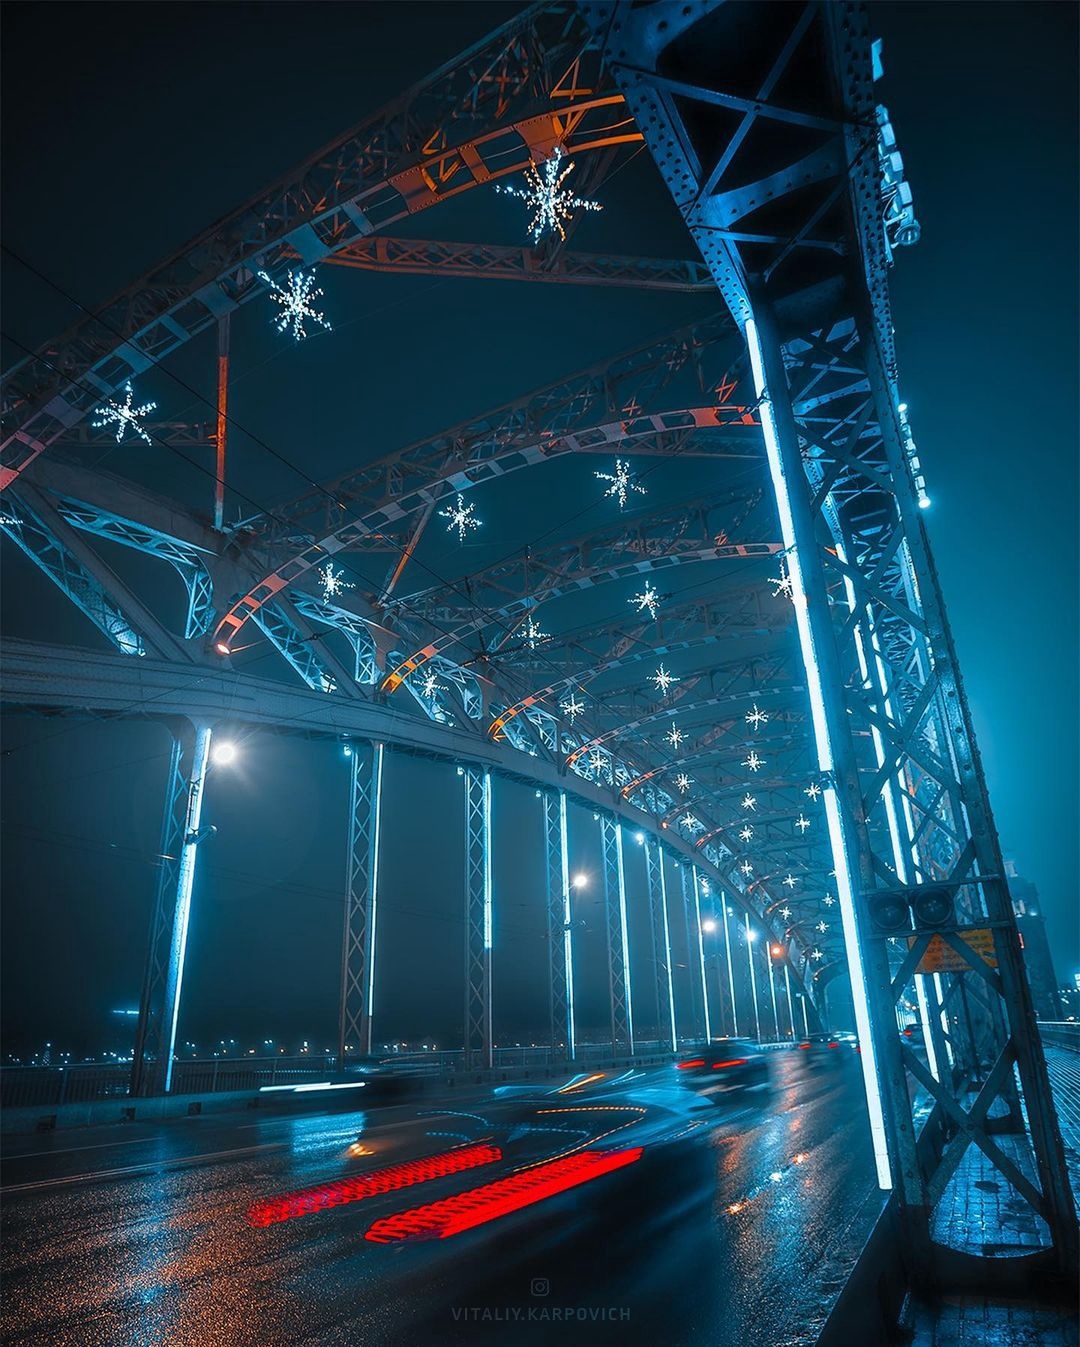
{"points": [[939, 957]]}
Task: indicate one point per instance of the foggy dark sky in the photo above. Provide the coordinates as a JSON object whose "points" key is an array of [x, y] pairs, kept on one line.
{"points": [[127, 129]]}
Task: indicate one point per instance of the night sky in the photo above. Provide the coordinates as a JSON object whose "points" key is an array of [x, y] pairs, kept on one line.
{"points": [[128, 129]]}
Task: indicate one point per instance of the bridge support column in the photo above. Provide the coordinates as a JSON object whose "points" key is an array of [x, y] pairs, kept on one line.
{"points": [[661, 943], [361, 900], [618, 947], [479, 1047], [159, 1008], [730, 970], [696, 949], [560, 947]]}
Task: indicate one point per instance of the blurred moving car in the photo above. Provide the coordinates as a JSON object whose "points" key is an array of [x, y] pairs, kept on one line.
{"points": [[821, 1050], [723, 1066]]}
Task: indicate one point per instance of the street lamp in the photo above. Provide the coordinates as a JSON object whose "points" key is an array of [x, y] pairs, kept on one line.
{"points": [[224, 753], [580, 881]]}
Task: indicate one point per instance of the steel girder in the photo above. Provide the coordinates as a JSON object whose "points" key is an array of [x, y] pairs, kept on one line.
{"points": [[559, 924], [479, 1044], [184, 559], [801, 257], [428, 257], [358, 947], [40, 530], [534, 84], [617, 935], [159, 1006]]}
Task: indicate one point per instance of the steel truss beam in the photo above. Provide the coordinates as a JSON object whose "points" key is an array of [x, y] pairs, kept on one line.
{"points": [[534, 84], [358, 945], [53, 545], [159, 1007], [618, 947], [801, 257], [426, 257], [479, 1043], [560, 924]]}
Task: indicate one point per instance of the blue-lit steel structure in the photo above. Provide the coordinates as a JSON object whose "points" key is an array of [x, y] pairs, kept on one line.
{"points": [[764, 124]]}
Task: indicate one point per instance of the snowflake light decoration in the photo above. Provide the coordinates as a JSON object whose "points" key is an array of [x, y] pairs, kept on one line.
{"points": [[333, 581], [691, 824], [572, 708], [782, 582], [757, 718], [790, 881], [747, 868], [828, 900], [746, 833], [816, 955], [124, 415], [823, 926], [682, 783], [647, 601], [598, 763], [296, 298], [622, 482], [674, 736], [663, 680], [802, 823], [532, 634], [430, 686], [550, 202], [813, 790], [753, 762], [749, 801], [785, 912], [462, 517]]}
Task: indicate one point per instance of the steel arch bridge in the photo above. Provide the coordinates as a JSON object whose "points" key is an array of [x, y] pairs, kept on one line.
{"points": [[760, 682]]}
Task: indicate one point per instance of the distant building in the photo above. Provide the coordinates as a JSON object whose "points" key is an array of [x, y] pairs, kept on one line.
{"points": [[1033, 937]]}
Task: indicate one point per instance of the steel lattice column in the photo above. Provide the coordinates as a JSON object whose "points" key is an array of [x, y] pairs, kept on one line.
{"points": [[152, 1063], [560, 947], [478, 916], [696, 946], [361, 900], [661, 940], [618, 947]]}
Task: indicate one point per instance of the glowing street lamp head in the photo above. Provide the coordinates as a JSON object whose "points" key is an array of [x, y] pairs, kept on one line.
{"points": [[751, 936], [223, 754], [222, 648], [708, 924], [580, 881], [777, 951]]}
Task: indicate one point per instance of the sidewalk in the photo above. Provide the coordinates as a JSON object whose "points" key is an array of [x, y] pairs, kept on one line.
{"points": [[982, 1214]]}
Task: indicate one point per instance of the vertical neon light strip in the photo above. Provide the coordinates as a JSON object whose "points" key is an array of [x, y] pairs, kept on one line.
{"points": [[772, 991], [624, 937], [730, 971], [667, 944], [487, 859], [568, 951], [753, 978], [790, 1008], [373, 882], [701, 954], [823, 745], [805, 1021], [185, 879], [899, 859]]}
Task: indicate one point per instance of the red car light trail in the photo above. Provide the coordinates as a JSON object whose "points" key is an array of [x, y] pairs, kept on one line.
{"points": [[387, 1180], [463, 1211]]}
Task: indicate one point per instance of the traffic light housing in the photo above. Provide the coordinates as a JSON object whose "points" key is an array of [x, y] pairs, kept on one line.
{"points": [[926, 907]]}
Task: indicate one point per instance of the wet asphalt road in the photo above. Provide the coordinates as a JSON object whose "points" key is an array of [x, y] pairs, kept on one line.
{"points": [[735, 1228]]}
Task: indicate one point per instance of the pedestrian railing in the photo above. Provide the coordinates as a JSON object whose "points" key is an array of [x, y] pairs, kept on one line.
{"points": [[1060, 1034]]}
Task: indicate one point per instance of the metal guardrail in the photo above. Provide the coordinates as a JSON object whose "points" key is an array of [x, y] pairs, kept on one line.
{"points": [[1060, 1034], [40, 1086]]}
